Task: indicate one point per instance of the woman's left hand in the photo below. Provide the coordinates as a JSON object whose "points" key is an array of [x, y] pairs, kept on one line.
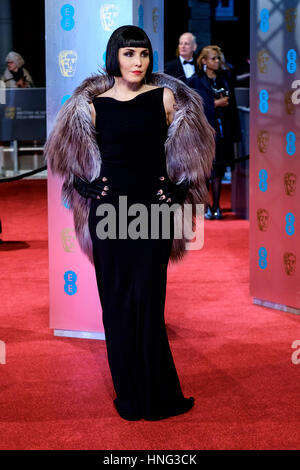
{"points": [[172, 193]]}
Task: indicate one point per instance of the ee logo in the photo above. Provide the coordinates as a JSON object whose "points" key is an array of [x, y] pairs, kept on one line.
{"points": [[65, 98], [262, 258], [65, 203], [291, 61], [264, 20], [67, 12], [263, 183], [290, 221], [70, 279], [291, 139], [263, 101]]}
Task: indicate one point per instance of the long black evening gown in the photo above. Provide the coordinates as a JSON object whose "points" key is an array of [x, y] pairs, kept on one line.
{"points": [[132, 273]]}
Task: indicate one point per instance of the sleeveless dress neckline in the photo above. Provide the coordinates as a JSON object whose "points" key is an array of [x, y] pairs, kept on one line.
{"points": [[127, 101]]}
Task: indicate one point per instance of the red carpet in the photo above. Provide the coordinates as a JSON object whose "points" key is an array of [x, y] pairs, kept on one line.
{"points": [[232, 356]]}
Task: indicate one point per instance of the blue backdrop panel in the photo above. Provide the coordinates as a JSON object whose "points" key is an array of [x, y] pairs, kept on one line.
{"points": [[76, 37], [275, 154]]}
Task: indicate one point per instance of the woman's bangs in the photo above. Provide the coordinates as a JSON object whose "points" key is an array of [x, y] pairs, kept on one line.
{"points": [[134, 37]]}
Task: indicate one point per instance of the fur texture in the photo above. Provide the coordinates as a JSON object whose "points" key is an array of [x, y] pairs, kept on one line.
{"points": [[72, 149]]}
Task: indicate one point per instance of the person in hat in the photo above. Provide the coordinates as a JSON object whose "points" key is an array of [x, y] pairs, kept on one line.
{"points": [[15, 75]]}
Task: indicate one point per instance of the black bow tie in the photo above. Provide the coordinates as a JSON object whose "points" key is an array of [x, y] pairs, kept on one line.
{"points": [[192, 62]]}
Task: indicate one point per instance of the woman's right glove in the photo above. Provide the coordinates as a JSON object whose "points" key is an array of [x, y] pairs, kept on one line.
{"points": [[93, 190], [172, 193]]}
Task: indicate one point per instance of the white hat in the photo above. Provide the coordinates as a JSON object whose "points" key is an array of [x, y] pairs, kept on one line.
{"points": [[16, 58]]}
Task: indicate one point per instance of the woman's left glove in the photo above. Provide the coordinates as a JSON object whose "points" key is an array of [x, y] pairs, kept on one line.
{"points": [[93, 190], [171, 192]]}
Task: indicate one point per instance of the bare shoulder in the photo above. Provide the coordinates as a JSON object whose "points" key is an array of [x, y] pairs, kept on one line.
{"points": [[169, 98], [105, 93], [169, 104], [150, 87], [169, 93]]}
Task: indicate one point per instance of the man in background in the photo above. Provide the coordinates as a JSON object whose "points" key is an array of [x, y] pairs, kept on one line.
{"points": [[185, 65]]}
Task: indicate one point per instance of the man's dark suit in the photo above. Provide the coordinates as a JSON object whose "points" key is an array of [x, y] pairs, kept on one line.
{"points": [[175, 69]]}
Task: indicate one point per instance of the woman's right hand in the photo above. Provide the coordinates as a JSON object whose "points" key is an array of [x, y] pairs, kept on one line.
{"points": [[224, 101], [93, 190]]}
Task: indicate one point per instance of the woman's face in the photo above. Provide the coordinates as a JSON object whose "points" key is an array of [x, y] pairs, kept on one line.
{"points": [[12, 66], [133, 62], [212, 61]]}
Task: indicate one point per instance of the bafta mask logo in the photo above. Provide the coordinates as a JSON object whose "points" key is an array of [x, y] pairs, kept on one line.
{"points": [[155, 17], [68, 239], [289, 261], [290, 180], [67, 63], [290, 19], [262, 60], [263, 141], [109, 14], [10, 112], [263, 218], [288, 103]]}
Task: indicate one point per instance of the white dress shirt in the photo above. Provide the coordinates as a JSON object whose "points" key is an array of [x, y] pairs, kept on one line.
{"points": [[189, 69]]}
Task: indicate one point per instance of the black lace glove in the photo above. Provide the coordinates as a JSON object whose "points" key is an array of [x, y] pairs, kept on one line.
{"points": [[172, 193], [94, 190]]}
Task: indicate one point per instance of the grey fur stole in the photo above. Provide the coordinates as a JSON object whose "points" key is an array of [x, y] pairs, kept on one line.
{"points": [[71, 148]]}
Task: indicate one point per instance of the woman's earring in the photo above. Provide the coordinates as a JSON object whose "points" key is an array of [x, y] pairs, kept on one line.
{"points": [[204, 67]]}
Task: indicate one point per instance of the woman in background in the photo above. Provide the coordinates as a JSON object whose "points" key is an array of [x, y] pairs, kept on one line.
{"points": [[214, 85], [15, 75]]}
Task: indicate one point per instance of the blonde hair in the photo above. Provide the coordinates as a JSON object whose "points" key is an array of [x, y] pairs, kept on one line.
{"points": [[204, 54]]}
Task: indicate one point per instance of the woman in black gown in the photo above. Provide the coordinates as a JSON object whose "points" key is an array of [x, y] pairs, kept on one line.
{"points": [[131, 273], [131, 119]]}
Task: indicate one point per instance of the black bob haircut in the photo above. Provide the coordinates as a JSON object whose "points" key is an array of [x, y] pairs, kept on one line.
{"points": [[126, 36]]}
